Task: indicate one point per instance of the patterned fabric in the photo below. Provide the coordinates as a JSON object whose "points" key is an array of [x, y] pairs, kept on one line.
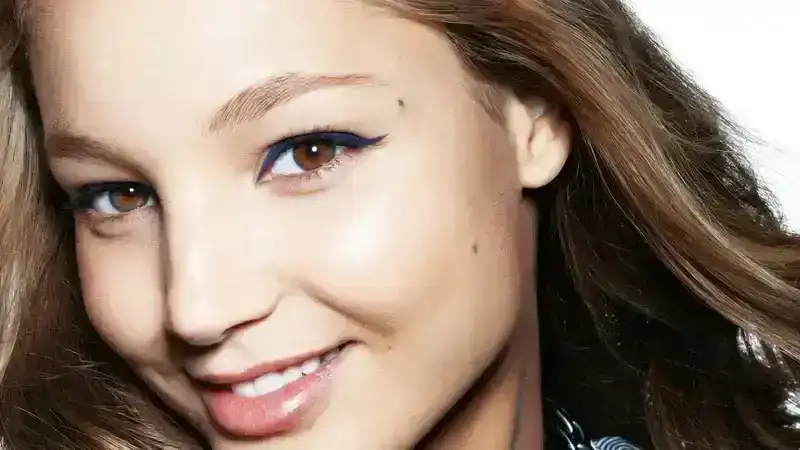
{"points": [[612, 443], [573, 437]]}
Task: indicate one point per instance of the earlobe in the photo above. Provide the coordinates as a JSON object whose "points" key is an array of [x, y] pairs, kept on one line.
{"points": [[543, 141]]}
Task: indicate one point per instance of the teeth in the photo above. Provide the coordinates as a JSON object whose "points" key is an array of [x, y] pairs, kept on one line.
{"points": [[246, 390], [310, 366], [272, 382], [292, 374]]}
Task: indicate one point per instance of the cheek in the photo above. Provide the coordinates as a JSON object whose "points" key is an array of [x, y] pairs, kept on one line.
{"points": [[120, 290], [426, 244], [399, 258]]}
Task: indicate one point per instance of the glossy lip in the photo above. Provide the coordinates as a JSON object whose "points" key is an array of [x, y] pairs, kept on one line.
{"points": [[223, 379], [278, 412]]}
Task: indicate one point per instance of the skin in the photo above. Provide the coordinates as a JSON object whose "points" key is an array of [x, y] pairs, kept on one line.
{"points": [[418, 250]]}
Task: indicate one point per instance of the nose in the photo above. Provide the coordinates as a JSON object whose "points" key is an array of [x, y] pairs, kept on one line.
{"points": [[216, 281]]}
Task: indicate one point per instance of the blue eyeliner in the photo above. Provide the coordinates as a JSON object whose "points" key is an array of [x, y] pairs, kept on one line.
{"points": [[83, 198], [337, 138]]}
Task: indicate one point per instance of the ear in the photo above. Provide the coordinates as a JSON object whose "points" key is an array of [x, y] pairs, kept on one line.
{"points": [[542, 140]]}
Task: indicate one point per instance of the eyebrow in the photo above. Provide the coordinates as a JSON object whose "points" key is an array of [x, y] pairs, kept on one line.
{"points": [[251, 103], [64, 145], [258, 99]]}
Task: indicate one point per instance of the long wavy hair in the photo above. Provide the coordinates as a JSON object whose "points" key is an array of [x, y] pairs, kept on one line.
{"points": [[668, 293]]}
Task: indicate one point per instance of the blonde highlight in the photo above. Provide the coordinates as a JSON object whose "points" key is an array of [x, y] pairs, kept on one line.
{"points": [[668, 246]]}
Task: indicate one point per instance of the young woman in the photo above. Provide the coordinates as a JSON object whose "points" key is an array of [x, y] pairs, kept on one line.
{"points": [[347, 224]]}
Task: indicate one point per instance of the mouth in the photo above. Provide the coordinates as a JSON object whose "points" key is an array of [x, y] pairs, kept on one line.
{"points": [[273, 398], [276, 380]]}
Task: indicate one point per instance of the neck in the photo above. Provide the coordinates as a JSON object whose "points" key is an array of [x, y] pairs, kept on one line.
{"points": [[508, 393]]}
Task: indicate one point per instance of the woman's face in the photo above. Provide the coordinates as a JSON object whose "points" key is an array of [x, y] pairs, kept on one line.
{"points": [[294, 220]]}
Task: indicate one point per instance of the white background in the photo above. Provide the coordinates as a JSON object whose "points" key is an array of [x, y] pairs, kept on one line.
{"points": [[747, 54]]}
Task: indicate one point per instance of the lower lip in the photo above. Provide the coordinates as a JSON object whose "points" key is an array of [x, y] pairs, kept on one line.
{"points": [[271, 414]]}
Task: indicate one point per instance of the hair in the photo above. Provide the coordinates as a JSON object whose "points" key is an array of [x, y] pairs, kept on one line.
{"points": [[669, 301]]}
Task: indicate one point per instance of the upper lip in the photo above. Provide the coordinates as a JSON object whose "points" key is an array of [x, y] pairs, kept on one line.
{"points": [[261, 369]]}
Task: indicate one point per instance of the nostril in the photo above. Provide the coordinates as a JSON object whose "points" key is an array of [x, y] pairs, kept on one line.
{"points": [[182, 350], [198, 328], [243, 325], [196, 336]]}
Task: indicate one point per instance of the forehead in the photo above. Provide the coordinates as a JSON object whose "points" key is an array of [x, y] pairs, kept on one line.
{"points": [[97, 62]]}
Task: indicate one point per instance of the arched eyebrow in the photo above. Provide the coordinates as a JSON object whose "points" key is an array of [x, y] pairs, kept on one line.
{"points": [[249, 104], [256, 100]]}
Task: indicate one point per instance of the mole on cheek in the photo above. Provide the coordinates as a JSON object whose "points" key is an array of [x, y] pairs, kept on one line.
{"points": [[475, 248]]}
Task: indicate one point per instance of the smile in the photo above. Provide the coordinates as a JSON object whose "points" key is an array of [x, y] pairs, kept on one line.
{"points": [[275, 381], [273, 398]]}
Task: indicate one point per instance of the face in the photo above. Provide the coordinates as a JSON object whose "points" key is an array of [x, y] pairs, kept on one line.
{"points": [[289, 215]]}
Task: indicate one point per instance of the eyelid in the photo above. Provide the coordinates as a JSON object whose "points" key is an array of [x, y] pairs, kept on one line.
{"points": [[82, 198], [343, 138]]}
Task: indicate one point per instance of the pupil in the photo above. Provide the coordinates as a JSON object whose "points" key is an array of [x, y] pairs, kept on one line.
{"points": [[312, 156], [126, 200]]}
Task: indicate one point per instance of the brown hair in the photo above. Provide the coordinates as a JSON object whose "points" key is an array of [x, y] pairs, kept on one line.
{"points": [[668, 297]]}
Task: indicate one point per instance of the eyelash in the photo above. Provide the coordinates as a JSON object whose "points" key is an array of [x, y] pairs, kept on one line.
{"points": [[84, 198], [351, 143]]}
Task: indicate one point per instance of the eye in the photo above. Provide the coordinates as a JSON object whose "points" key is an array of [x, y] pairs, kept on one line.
{"points": [[305, 157], [113, 199], [311, 152]]}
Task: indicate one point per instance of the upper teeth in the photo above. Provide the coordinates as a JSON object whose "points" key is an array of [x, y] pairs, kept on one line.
{"points": [[274, 381]]}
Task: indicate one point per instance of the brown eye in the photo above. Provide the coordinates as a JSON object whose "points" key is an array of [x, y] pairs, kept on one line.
{"points": [[128, 199], [113, 199], [313, 154]]}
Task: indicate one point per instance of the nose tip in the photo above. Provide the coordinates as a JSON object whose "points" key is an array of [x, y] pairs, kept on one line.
{"points": [[214, 282], [195, 325], [207, 300], [207, 320]]}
